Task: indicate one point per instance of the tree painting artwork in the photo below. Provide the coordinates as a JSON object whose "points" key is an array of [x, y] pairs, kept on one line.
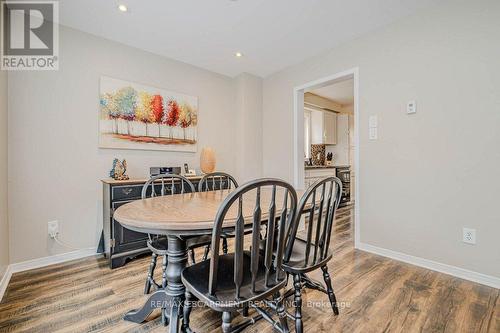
{"points": [[135, 116]]}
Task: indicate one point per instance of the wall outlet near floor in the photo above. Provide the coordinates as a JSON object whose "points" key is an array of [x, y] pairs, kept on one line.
{"points": [[469, 236], [53, 228]]}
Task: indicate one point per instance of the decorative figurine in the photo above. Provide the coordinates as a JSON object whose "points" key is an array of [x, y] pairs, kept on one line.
{"points": [[119, 169]]}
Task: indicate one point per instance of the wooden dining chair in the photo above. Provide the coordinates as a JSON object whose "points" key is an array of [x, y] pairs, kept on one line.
{"points": [[216, 181], [312, 250], [231, 283], [167, 184], [212, 182]]}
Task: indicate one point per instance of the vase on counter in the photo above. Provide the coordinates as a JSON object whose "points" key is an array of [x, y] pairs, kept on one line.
{"points": [[207, 160]]}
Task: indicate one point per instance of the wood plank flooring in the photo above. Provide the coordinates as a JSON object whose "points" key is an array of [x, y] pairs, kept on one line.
{"points": [[377, 294]]}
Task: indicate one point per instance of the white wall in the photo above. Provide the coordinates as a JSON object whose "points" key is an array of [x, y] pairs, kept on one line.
{"points": [[432, 173], [249, 126], [4, 225], [54, 163]]}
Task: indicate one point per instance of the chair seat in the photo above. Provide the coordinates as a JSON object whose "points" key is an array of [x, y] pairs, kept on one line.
{"points": [[160, 245], [195, 278], [231, 234], [297, 262]]}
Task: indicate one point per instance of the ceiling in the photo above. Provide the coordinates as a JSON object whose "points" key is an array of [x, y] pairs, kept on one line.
{"points": [[341, 92], [271, 34]]}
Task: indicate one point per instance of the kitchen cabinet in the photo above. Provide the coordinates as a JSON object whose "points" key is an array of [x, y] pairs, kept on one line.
{"points": [[323, 127], [312, 175]]}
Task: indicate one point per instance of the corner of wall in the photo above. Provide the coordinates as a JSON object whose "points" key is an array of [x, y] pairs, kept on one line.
{"points": [[4, 223]]}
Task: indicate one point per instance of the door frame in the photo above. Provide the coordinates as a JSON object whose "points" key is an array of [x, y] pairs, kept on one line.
{"points": [[298, 134]]}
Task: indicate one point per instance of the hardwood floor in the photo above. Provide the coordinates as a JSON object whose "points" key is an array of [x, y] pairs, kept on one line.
{"points": [[377, 295]]}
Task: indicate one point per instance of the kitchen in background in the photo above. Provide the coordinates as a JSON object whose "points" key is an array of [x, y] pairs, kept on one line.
{"points": [[329, 135]]}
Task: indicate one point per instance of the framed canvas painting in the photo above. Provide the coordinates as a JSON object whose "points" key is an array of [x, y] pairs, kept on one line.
{"points": [[135, 116]]}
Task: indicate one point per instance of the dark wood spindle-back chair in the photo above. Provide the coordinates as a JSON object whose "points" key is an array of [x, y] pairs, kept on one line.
{"points": [[212, 182], [167, 184], [312, 250], [233, 282]]}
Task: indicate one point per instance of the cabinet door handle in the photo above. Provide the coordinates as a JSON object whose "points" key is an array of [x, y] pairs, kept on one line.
{"points": [[126, 191]]}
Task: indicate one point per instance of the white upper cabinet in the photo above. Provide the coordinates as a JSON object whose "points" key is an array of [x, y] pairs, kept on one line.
{"points": [[329, 128], [323, 127]]}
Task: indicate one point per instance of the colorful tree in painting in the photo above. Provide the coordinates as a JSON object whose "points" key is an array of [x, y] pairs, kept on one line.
{"points": [[125, 99], [110, 109], [143, 109], [171, 115], [157, 106], [185, 117], [108, 106]]}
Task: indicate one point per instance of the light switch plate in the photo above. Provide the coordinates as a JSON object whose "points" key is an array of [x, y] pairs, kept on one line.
{"points": [[373, 122], [411, 107], [373, 133]]}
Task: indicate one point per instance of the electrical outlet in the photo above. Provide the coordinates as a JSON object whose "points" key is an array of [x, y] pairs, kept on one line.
{"points": [[469, 236], [53, 228]]}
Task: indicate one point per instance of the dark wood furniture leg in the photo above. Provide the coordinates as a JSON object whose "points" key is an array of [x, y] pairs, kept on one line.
{"points": [[329, 289], [226, 322], [224, 245], [171, 298], [177, 261], [187, 312], [205, 254], [147, 287], [298, 302], [280, 309]]}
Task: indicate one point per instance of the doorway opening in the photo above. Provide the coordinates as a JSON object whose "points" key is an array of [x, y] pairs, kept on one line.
{"points": [[326, 135]]}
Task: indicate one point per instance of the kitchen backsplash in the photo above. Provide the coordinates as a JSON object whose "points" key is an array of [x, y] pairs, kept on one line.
{"points": [[318, 154]]}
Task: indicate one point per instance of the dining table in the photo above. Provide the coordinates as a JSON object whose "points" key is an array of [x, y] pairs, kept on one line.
{"points": [[179, 217]]}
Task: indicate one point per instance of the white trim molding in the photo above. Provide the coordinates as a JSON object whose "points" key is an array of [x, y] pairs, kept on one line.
{"points": [[42, 262], [298, 135], [5, 281], [462, 273]]}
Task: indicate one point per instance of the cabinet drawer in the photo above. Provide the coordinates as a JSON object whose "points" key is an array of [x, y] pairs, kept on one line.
{"points": [[126, 192], [117, 204], [126, 239]]}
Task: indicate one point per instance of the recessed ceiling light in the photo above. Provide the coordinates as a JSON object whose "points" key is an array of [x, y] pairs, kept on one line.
{"points": [[122, 8], [238, 54]]}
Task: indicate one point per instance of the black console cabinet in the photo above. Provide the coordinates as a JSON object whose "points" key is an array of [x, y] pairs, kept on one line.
{"points": [[121, 244]]}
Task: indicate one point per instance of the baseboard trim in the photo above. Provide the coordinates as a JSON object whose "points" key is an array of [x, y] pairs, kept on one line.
{"points": [[462, 273], [42, 262], [5, 281]]}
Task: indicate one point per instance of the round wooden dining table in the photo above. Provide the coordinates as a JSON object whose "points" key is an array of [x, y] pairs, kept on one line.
{"points": [[179, 217]]}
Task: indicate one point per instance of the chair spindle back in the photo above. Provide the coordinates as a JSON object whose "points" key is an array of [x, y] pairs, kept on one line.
{"points": [[320, 216], [216, 181], [167, 184], [278, 232]]}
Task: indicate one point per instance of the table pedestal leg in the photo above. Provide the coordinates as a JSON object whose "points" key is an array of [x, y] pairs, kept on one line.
{"points": [[177, 260], [158, 299], [170, 299]]}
